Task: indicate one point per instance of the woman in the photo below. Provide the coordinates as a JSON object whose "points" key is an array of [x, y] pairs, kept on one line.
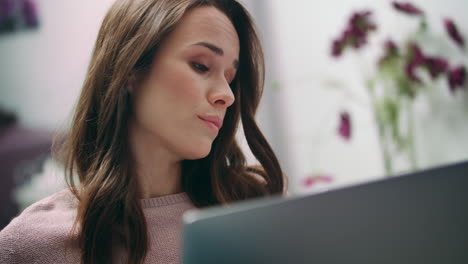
{"points": [[153, 135]]}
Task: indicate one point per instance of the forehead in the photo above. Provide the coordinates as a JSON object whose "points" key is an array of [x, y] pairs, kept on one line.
{"points": [[206, 24]]}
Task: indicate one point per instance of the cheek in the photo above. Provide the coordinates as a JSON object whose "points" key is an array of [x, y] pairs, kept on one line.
{"points": [[182, 86], [173, 90], [167, 105]]}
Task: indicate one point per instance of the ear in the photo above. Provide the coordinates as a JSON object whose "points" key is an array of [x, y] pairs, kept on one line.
{"points": [[131, 83]]}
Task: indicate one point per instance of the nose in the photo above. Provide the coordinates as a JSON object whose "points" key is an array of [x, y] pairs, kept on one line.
{"points": [[222, 95]]}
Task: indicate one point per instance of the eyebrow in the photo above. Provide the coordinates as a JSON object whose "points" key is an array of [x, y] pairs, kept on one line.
{"points": [[219, 51]]}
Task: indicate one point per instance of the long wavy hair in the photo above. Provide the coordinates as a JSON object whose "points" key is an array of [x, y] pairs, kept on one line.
{"points": [[95, 151]]}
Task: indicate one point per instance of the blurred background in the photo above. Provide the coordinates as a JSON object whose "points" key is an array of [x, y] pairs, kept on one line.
{"points": [[341, 105]]}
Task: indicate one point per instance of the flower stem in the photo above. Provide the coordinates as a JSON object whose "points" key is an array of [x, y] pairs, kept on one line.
{"points": [[384, 149], [411, 140]]}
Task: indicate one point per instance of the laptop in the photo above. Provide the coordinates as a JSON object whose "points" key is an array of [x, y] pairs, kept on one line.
{"points": [[418, 218]]}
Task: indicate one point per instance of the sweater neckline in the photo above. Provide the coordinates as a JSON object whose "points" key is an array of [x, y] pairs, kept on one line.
{"points": [[165, 200]]}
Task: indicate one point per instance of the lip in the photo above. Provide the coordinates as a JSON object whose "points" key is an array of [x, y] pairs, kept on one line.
{"points": [[215, 120]]}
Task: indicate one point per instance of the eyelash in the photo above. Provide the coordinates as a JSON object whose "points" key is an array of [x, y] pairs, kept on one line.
{"points": [[199, 67]]}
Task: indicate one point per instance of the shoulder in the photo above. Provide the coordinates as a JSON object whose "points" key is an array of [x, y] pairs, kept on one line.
{"points": [[48, 213], [41, 230]]}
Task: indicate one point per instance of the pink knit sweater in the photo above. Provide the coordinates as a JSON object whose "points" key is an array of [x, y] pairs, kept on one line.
{"points": [[38, 234]]}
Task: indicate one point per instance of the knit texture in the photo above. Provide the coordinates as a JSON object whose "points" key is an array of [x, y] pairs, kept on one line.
{"points": [[38, 234]]}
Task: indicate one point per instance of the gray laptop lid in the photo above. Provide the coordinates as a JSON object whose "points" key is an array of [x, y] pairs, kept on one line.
{"points": [[415, 218]]}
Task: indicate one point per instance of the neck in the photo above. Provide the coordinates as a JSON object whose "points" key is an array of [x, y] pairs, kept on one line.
{"points": [[158, 170]]}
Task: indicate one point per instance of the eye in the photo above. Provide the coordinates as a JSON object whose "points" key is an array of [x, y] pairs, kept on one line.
{"points": [[231, 80], [199, 67]]}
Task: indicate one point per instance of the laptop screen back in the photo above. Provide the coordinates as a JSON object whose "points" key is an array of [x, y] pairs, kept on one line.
{"points": [[419, 218]]}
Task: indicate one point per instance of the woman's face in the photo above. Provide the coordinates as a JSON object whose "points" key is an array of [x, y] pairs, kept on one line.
{"points": [[180, 103]]}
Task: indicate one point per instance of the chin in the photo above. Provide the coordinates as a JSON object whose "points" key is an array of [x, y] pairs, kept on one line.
{"points": [[198, 152], [197, 155]]}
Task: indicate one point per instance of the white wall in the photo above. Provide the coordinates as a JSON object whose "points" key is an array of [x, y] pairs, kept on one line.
{"points": [[41, 71]]}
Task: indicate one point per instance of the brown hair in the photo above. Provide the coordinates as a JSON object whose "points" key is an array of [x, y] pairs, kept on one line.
{"points": [[94, 152]]}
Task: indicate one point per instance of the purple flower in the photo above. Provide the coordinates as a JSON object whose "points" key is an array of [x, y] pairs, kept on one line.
{"points": [[337, 47], [359, 25], [391, 47], [391, 50], [355, 34], [457, 77], [362, 21], [354, 37], [407, 8], [436, 66], [30, 13], [410, 69], [453, 32], [344, 129], [312, 180], [416, 55], [416, 59]]}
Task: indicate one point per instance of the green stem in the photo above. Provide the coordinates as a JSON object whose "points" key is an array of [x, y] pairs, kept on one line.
{"points": [[386, 156], [388, 166], [411, 141]]}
